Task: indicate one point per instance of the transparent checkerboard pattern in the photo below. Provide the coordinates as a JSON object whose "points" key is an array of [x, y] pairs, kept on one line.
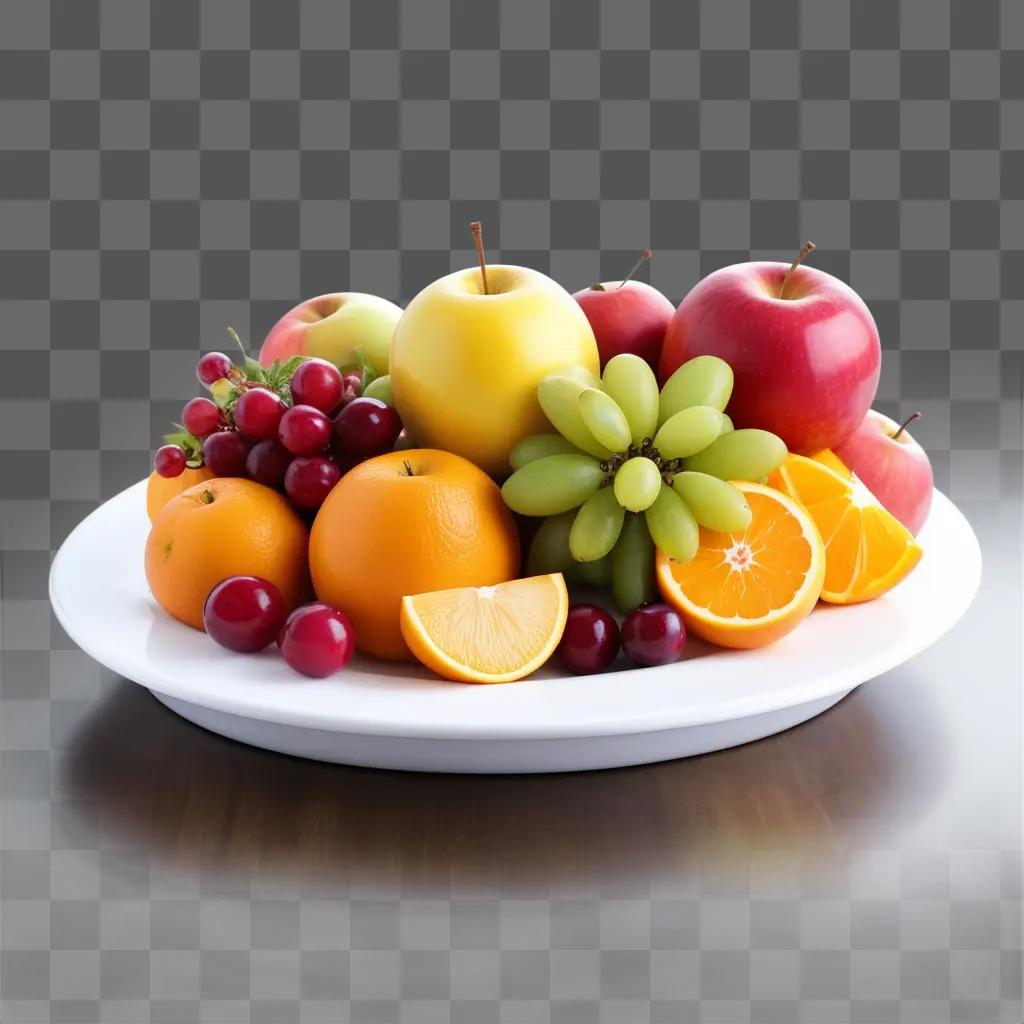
{"points": [[170, 168]]}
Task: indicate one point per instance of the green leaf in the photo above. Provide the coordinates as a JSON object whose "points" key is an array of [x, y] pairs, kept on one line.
{"points": [[367, 370], [189, 443], [253, 371], [238, 341], [224, 393], [278, 375]]}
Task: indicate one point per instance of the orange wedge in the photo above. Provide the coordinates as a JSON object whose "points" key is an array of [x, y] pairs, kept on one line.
{"points": [[867, 550], [487, 634], [750, 588]]}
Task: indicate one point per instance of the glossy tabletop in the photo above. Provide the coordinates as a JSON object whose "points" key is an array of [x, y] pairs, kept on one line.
{"points": [[863, 866]]}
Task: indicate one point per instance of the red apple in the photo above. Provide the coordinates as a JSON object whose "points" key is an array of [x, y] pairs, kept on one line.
{"points": [[627, 316], [339, 328], [802, 344], [892, 465]]}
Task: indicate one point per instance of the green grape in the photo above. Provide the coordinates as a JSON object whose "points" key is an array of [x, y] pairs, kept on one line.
{"points": [[632, 564], [403, 443], [714, 503], [559, 398], [703, 380], [586, 377], [380, 388], [637, 484], [596, 527], [604, 419], [688, 432], [631, 382], [552, 485], [672, 526], [740, 455], [539, 446], [596, 574], [549, 549], [727, 426]]}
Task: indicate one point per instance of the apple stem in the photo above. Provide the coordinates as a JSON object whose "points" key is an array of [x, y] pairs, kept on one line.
{"points": [[407, 466], [644, 257], [478, 238], [906, 423], [805, 250]]}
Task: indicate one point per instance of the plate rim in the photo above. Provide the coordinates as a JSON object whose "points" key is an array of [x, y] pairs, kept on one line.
{"points": [[653, 720]]}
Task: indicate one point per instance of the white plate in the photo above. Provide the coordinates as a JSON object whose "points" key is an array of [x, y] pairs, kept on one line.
{"points": [[399, 716]]}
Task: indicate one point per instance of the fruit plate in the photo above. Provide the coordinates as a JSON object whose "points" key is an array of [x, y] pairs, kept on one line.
{"points": [[389, 715]]}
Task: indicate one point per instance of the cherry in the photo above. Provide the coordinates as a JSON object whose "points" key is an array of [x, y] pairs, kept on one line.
{"points": [[244, 613], [318, 383], [317, 640], [267, 462], [590, 641], [201, 417], [304, 430], [366, 426], [258, 413], [225, 453], [212, 367], [653, 634], [169, 461], [309, 480]]}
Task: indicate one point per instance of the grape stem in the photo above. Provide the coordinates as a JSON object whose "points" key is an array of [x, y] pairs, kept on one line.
{"points": [[478, 239], [906, 423], [805, 250]]}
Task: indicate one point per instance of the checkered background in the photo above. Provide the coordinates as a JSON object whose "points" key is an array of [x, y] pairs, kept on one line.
{"points": [[168, 169]]}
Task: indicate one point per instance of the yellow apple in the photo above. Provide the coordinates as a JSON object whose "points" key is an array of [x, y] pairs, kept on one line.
{"points": [[338, 328], [465, 364]]}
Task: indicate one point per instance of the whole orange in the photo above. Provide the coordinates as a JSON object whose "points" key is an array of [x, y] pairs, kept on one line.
{"points": [[406, 523], [220, 528], [160, 489]]}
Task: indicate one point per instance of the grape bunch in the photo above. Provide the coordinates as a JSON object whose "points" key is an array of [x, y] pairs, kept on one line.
{"points": [[296, 426], [631, 468]]}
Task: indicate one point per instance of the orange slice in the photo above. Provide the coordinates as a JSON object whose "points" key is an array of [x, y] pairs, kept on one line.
{"points": [[827, 457], [750, 588], [487, 634], [867, 550]]}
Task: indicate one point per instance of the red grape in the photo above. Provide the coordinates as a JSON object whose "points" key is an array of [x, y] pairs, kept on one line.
{"points": [[653, 634], [317, 640], [257, 414], [201, 417], [169, 461], [366, 426], [352, 386], [346, 462], [267, 463], [309, 480], [212, 367], [304, 430], [318, 383], [590, 641], [225, 453], [244, 613]]}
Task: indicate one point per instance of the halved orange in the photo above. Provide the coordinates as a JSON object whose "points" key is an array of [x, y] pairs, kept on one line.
{"points": [[867, 550], [750, 588], [487, 634]]}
